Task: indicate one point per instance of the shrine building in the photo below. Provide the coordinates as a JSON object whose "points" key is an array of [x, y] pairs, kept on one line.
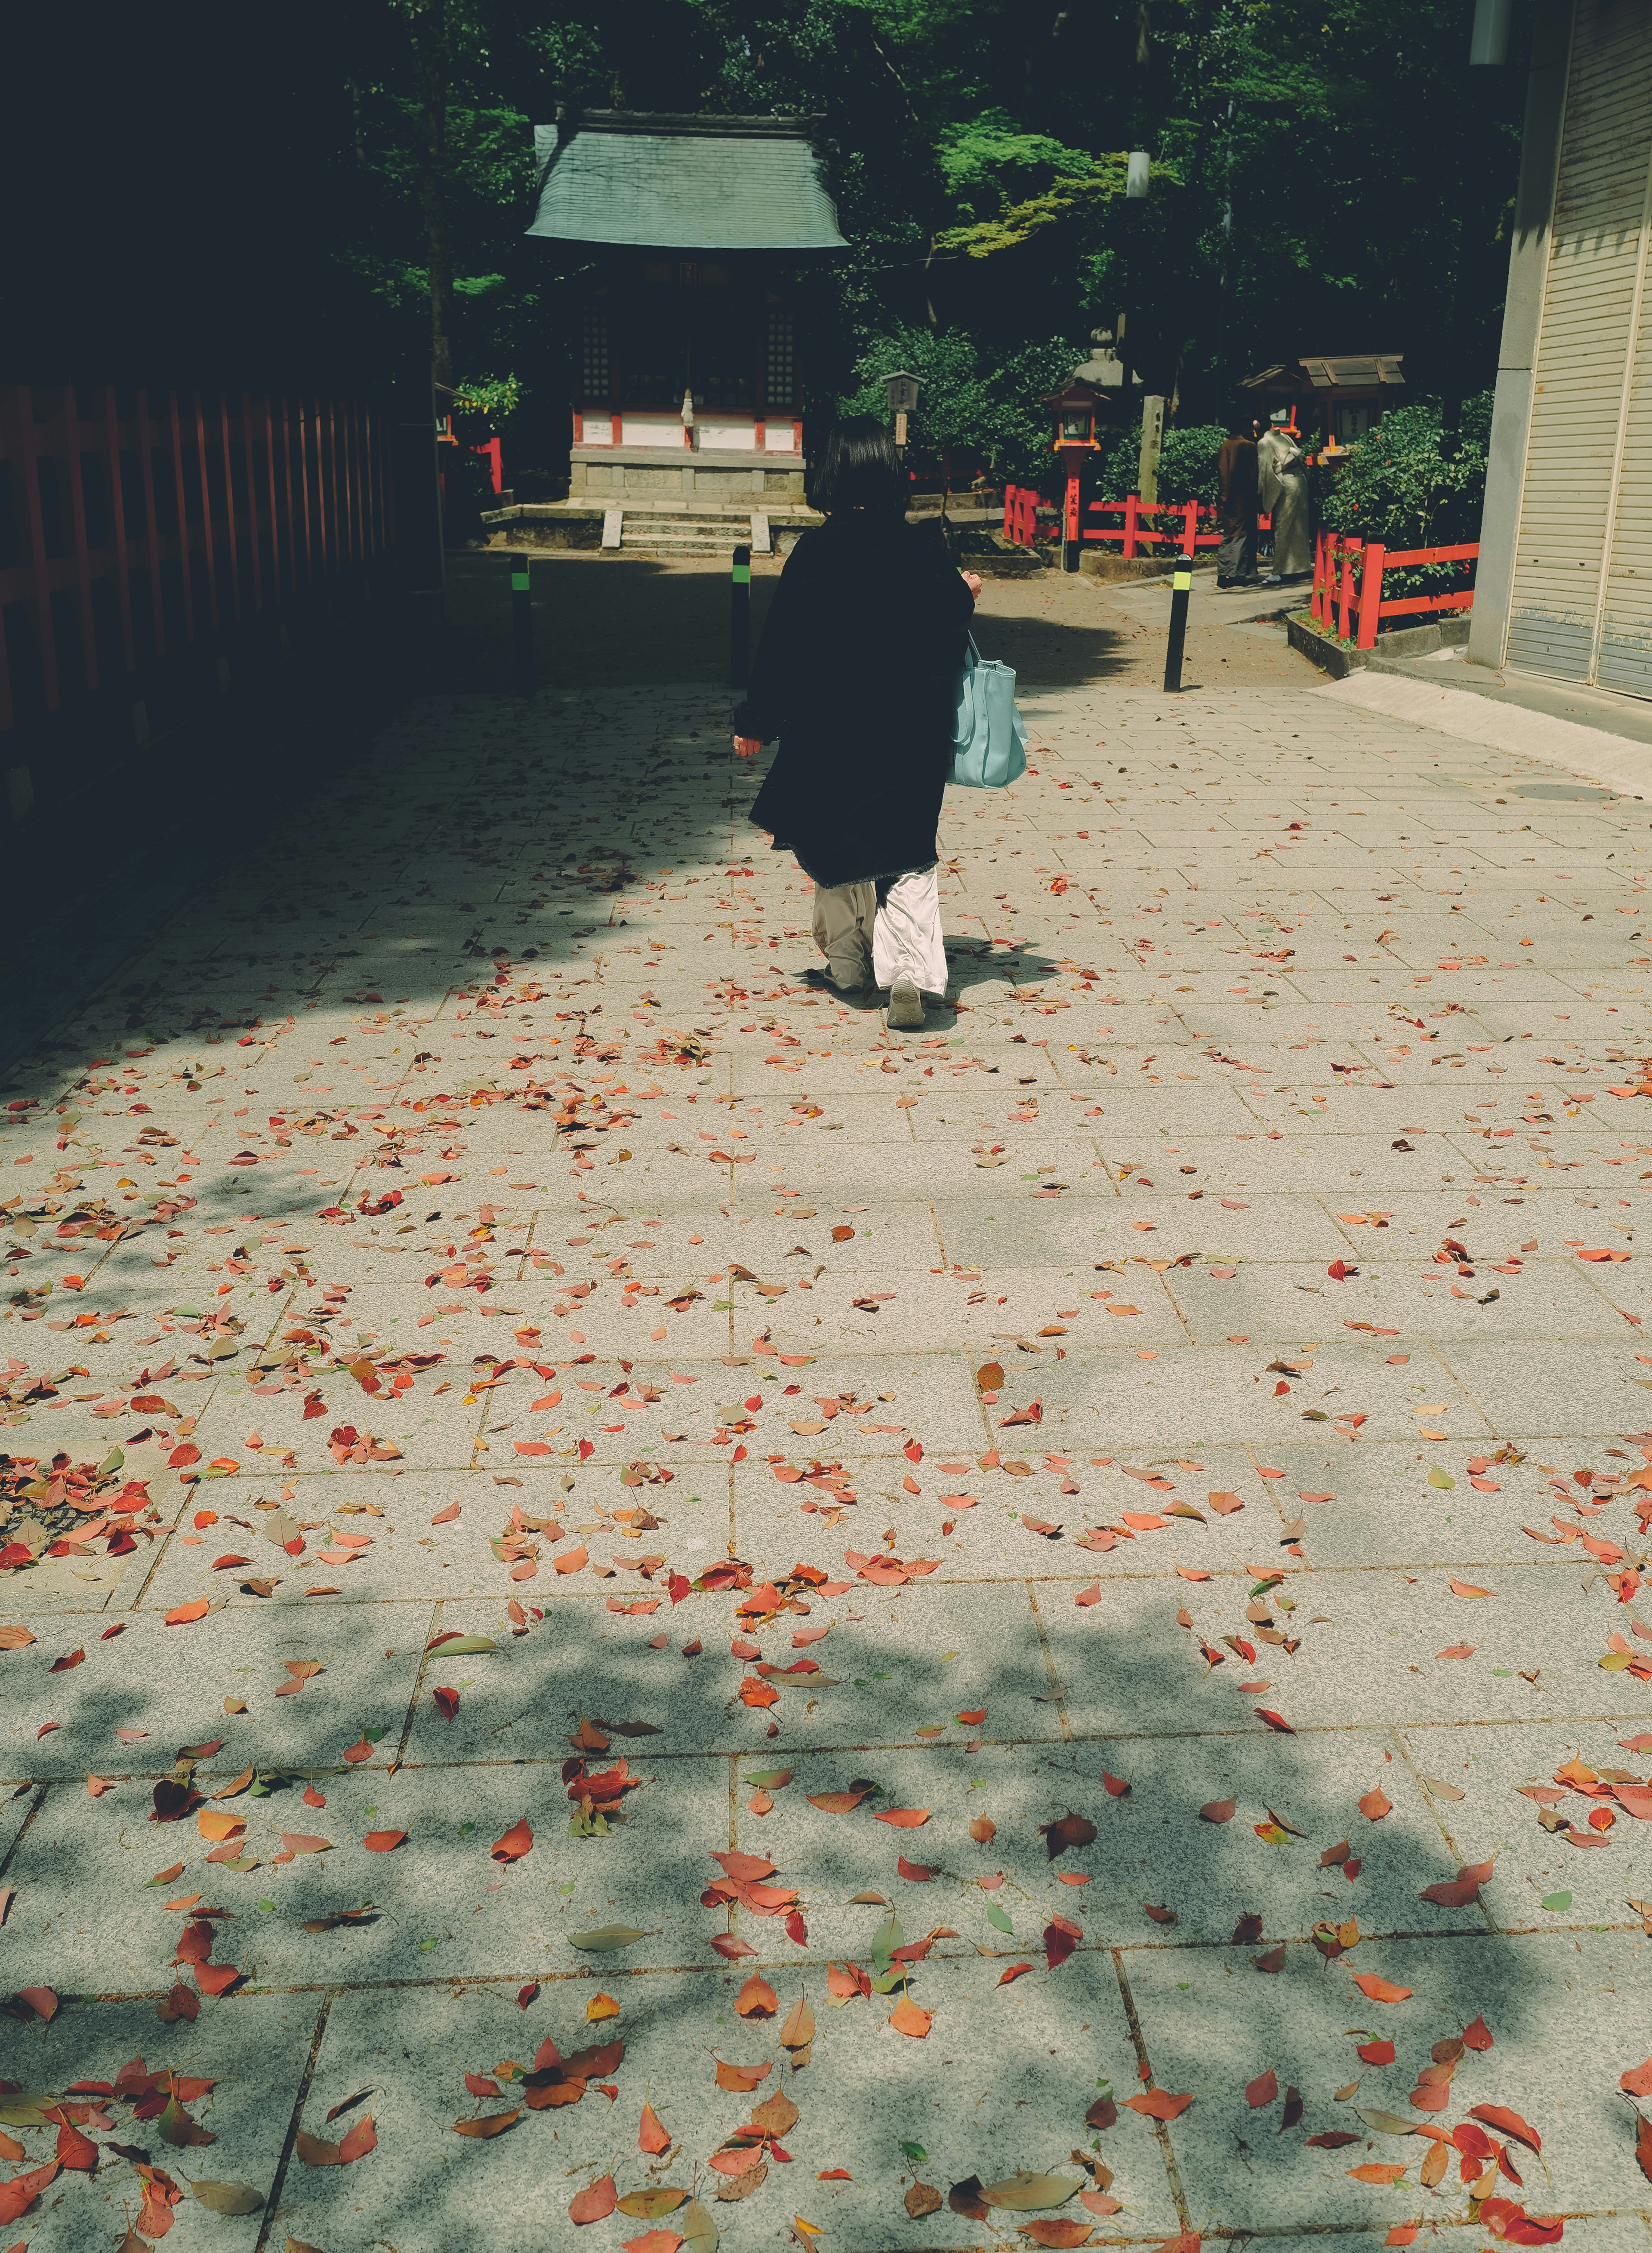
{"points": [[688, 386]]}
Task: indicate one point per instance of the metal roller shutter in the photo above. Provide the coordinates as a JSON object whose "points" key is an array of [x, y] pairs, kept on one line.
{"points": [[1587, 460], [1624, 643]]}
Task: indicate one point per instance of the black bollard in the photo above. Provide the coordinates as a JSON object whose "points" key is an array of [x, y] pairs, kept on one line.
{"points": [[740, 619], [1180, 587], [521, 626]]}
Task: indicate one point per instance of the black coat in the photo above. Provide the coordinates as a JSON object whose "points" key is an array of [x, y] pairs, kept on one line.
{"points": [[857, 673]]}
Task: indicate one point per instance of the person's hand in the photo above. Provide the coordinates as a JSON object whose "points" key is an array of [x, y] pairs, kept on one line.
{"points": [[972, 581], [747, 747]]}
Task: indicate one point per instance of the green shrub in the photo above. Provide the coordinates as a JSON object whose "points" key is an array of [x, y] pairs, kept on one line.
{"points": [[970, 412], [1393, 487], [1187, 464]]}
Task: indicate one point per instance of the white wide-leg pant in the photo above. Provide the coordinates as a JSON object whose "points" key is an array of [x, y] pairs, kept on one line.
{"points": [[896, 921]]}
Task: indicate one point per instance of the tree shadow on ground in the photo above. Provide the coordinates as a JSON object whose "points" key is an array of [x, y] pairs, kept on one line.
{"points": [[599, 621], [1174, 1912]]}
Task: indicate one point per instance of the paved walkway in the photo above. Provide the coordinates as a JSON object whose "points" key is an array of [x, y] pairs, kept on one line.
{"points": [[572, 1497]]}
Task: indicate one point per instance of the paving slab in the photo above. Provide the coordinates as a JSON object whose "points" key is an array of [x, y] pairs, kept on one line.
{"points": [[252, 2049], [721, 1270]]}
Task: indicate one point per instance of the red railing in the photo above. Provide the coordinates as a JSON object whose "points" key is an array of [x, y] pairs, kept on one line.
{"points": [[491, 450], [1135, 536], [1192, 513], [1021, 508], [1348, 584], [132, 523]]}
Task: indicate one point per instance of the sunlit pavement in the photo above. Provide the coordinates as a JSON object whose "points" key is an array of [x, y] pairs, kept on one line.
{"points": [[518, 1397]]}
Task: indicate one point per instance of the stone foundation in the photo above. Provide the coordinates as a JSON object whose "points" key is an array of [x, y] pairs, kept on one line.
{"points": [[650, 474]]}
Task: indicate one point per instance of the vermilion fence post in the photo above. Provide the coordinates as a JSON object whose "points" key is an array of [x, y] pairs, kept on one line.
{"points": [[1132, 504], [1190, 529], [70, 413], [146, 463], [250, 458], [1370, 594], [208, 550], [30, 471], [117, 523], [1345, 589], [301, 423], [1344, 598], [229, 505], [182, 537]]}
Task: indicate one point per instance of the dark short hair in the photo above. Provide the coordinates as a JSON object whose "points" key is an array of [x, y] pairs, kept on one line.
{"points": [[859, 467]]}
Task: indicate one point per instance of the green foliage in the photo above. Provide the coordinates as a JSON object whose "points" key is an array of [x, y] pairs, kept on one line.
{"points": [[975, 409], [1394, 487], [990, 162], [1006, 185], [1187, 463], [1317, 178], [492, 397]]}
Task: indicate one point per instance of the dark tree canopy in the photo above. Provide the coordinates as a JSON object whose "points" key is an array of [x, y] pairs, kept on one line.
{"points": [[312, 192]]}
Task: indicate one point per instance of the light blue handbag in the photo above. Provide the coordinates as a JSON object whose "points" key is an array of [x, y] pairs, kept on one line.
{"points": [[988, 743]]}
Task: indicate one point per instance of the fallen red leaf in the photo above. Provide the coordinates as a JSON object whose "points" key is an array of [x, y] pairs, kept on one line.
{"points": [[1158, 2105], [1460, 1891], [756, 1999], [1508, 2123], [517, 1841], [595, 2202], [1380, 1990], [19, 2194]]}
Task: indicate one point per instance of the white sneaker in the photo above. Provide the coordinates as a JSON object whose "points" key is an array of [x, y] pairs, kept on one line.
{"points": [[906, 1005]]}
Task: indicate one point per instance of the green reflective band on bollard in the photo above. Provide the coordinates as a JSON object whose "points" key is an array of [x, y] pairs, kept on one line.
{"points": [[521, 625], [1180, 582], [740, 617]]}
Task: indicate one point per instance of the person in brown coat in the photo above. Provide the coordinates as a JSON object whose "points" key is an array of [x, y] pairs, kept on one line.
{"points": [[1236, 465]]}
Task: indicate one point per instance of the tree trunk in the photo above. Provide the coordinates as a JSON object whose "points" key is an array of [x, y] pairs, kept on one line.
{"points": [[432, 42]]}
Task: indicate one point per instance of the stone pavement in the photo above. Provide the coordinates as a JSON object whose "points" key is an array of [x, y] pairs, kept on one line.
{"points": [[553, 1515]]}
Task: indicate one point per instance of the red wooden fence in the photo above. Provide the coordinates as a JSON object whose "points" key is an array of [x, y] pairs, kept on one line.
{"points": [[135, 523], [1135, 536], [1020, 515], [1348, 584], [1022, 509]]}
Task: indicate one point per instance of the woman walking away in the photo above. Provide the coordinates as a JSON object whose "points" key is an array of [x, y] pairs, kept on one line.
{"points": [[857, 674]]}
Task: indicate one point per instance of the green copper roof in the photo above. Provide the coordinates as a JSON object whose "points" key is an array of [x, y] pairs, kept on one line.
{"points": [[700, 184]]}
